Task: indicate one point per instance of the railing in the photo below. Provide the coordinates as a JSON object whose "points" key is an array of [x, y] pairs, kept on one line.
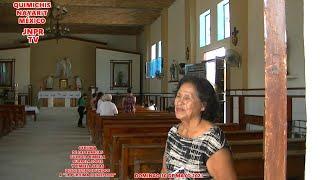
{"points": [[299, 128], [246, 106]]}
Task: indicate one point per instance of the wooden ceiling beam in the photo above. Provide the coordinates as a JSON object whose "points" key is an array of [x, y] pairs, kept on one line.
{"points": [[81, 29], [110, 16]]}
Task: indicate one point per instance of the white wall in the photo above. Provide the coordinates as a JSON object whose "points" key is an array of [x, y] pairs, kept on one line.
{"points": [[155, 36], [22, 66], [103, 69], [176, 36], [201, 7], [294, 19]]}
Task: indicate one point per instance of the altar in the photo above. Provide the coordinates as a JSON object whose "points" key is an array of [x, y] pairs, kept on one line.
{"points": [[59, 98]]}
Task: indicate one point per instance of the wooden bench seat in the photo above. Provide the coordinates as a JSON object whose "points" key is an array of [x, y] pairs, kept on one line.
{"points": [[130, 153], [256, 145], [252, 164], [247, 165], [132, 139], [11, 117], [131, 129]]}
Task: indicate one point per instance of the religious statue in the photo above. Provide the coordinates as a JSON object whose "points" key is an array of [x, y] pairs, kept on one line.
{"points": [[234, 37], [63, 68], [49, 82], [173, 71], [78, 82]]}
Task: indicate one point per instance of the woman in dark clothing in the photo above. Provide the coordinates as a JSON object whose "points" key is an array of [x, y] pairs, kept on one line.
{"points": [[81, 109]]}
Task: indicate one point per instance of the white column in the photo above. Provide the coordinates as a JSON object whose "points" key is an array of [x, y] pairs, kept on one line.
{"points": [[312, 65], [67, 102]]}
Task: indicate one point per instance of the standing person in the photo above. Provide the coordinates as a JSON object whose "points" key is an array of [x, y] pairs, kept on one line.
{"points": [[129, 101], [107, 108], [98, 99], [81, 108], [93, 101], [196, 145]]}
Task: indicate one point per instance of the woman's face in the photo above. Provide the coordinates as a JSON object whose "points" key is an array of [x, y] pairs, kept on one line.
{"points": [[187, 103]]}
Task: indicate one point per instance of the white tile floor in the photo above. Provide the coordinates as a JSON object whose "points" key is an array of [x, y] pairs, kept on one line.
{"points": [[41, 149]]}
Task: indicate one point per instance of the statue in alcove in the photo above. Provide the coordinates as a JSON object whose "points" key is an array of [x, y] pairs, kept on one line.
{"points": [[173, 71], [63, 68], [78, 81], [49, 82]]}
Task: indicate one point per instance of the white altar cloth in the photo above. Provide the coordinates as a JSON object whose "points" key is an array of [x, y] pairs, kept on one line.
{"points": [[59, 94], [31, 108], [66, 95]]}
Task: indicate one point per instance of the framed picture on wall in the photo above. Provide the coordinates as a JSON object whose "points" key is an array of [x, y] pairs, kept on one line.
{"points": [[120, 74], [7, 73]]}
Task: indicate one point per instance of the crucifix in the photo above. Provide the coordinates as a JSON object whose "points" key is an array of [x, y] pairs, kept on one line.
{"points": [[234, 37]]}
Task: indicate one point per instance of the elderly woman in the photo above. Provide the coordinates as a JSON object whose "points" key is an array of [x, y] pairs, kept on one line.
{"points": [[106, 107], [196, 145]]}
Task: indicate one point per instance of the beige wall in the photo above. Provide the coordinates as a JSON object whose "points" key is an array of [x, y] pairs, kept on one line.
{"points": [[176, 36], [296, 60], [294, 19], [155, 36], [103, 69], [247, 16], [22, 66], [238, 77], [46, 54], [201, 7], [255, 44]]}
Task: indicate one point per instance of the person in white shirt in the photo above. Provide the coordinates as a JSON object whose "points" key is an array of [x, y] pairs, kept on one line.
{"points": [[106, 107], [152, 106], [98, 101]]}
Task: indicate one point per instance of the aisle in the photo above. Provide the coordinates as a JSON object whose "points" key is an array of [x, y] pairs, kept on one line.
{"points": [[41, 149]]}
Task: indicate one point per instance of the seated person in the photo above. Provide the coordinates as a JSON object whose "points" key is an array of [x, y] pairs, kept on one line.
{"points": [[106, 107], [152, 106]]}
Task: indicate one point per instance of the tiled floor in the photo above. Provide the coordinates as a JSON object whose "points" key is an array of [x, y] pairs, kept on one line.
{"points": [[41, 149]]}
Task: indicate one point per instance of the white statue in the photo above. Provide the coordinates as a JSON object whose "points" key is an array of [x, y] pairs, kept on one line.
{"points": [[78, 82], [49, 82], [63, 68]]}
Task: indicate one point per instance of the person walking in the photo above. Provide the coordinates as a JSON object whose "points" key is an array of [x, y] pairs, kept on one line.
{"points": [[81, 109]]}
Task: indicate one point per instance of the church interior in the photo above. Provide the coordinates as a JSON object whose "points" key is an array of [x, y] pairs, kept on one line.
{"points": [[147, 46]]}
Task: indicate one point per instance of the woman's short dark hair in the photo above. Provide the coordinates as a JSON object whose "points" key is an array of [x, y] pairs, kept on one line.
{"points": [[129, 89], [206, 94]]}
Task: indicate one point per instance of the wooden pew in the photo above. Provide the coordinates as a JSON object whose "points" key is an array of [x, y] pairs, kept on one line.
{"points": [[254, 148], [250, 165], [118, 140], [130, 153], [11, 117], [132, 139], [131, 128], [127, 128], [256, 145], [101, 121], [128, 156], [247, 165]]}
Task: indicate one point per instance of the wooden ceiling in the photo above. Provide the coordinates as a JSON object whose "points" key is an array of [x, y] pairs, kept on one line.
{"points": [[121, 17]]}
